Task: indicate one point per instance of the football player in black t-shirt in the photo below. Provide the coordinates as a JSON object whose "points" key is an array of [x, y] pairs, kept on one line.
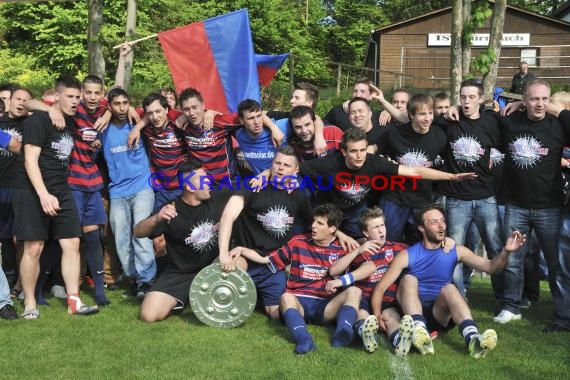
{"points": [[43, 205], [190, 227]]}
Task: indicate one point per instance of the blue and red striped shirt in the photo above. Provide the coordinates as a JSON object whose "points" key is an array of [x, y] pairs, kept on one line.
{"points": [[166, 151], [310, 265], [213, 148], [332, 135], [382, 259], [84, 174]]}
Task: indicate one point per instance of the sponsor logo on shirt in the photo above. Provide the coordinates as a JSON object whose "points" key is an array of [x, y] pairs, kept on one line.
{"points": [[526, 151], [277, 221], [203, 236], [467, 150], [63, 147]]}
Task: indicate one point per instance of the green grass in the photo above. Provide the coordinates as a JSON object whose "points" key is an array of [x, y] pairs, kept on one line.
{"points": [[115, 344]]}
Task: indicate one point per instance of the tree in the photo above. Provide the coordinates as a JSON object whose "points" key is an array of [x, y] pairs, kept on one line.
{"points": [[456, 49], [496, 36], [95, 17]]}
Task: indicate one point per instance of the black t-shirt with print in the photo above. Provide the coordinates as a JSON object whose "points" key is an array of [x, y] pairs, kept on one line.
{"points": [[407, 147], [469, 149], [192, 236], [56, 146], [338, 183], [269, 217], [532, 172], [9, 161]]}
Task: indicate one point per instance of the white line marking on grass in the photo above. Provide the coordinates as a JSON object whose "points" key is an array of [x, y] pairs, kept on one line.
{"points": [[399, 366]]}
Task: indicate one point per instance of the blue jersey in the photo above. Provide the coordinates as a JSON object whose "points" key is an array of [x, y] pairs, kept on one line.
{"points": [[258, 151], [433, 268], [129, 169]]}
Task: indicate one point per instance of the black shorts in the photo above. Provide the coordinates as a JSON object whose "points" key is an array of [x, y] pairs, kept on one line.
{"points": [[432, 323], [176, 284], [31, 223], [6, 213]]}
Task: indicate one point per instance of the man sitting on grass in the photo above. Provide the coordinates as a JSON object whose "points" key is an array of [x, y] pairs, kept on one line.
{"points": [[427, 286], [306, 298]]}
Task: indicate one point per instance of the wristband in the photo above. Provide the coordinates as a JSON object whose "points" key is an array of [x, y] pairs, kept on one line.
{"points": [[347, 279]]}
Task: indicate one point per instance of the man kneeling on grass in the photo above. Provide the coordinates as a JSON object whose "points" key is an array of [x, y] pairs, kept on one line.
{"points": [[306, 298], [190, 228], [427, 286]]}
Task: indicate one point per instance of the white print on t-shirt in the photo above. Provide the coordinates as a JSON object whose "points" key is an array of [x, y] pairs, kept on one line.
{"points": [[63, 147], [203, 236], [276, 221], [354, 194], [313, 272], [496, 157], [526, 151], [13, 133], [467, 150], [416, 158]]}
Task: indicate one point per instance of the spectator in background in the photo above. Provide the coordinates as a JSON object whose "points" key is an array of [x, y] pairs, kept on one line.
{"points": [[522, 78]]}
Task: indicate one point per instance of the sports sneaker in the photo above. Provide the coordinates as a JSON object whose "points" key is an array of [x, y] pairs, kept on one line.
{"points": [[76, 307], [111, 286], [526, 303], [8, 313], [58, 291], [422, 341], [506, 316], [143, 290], [406, 331], [369, 331], [481, 344]]}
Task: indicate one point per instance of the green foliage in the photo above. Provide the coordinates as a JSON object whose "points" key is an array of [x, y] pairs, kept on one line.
{"points": [[481, 64], [398, 10], [18, 68], [480, 12], [347, 36]]}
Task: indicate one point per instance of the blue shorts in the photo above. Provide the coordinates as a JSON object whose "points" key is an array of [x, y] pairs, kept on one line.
{"points": [[270, 286], [432, 323], [163, 197], [6, 213], [365, 305], [90, 208], [314, 309]]}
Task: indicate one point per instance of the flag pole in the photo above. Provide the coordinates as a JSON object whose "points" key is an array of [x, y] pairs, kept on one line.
{"points": [[133, 42]]}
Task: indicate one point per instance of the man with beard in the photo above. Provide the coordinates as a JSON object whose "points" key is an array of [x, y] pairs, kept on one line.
{"points": [[190, 228], [426, 291]]}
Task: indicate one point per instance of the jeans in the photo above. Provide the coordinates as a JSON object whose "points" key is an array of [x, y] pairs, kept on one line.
{"points": [[547, 225], [4, 290], [472, 242], [396, 218], [485, 214], [136, 255], [350, 222]]}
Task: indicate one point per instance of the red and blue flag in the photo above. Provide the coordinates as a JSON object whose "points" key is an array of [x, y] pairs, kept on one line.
{"points": [[216, 57], [268, 66]]}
